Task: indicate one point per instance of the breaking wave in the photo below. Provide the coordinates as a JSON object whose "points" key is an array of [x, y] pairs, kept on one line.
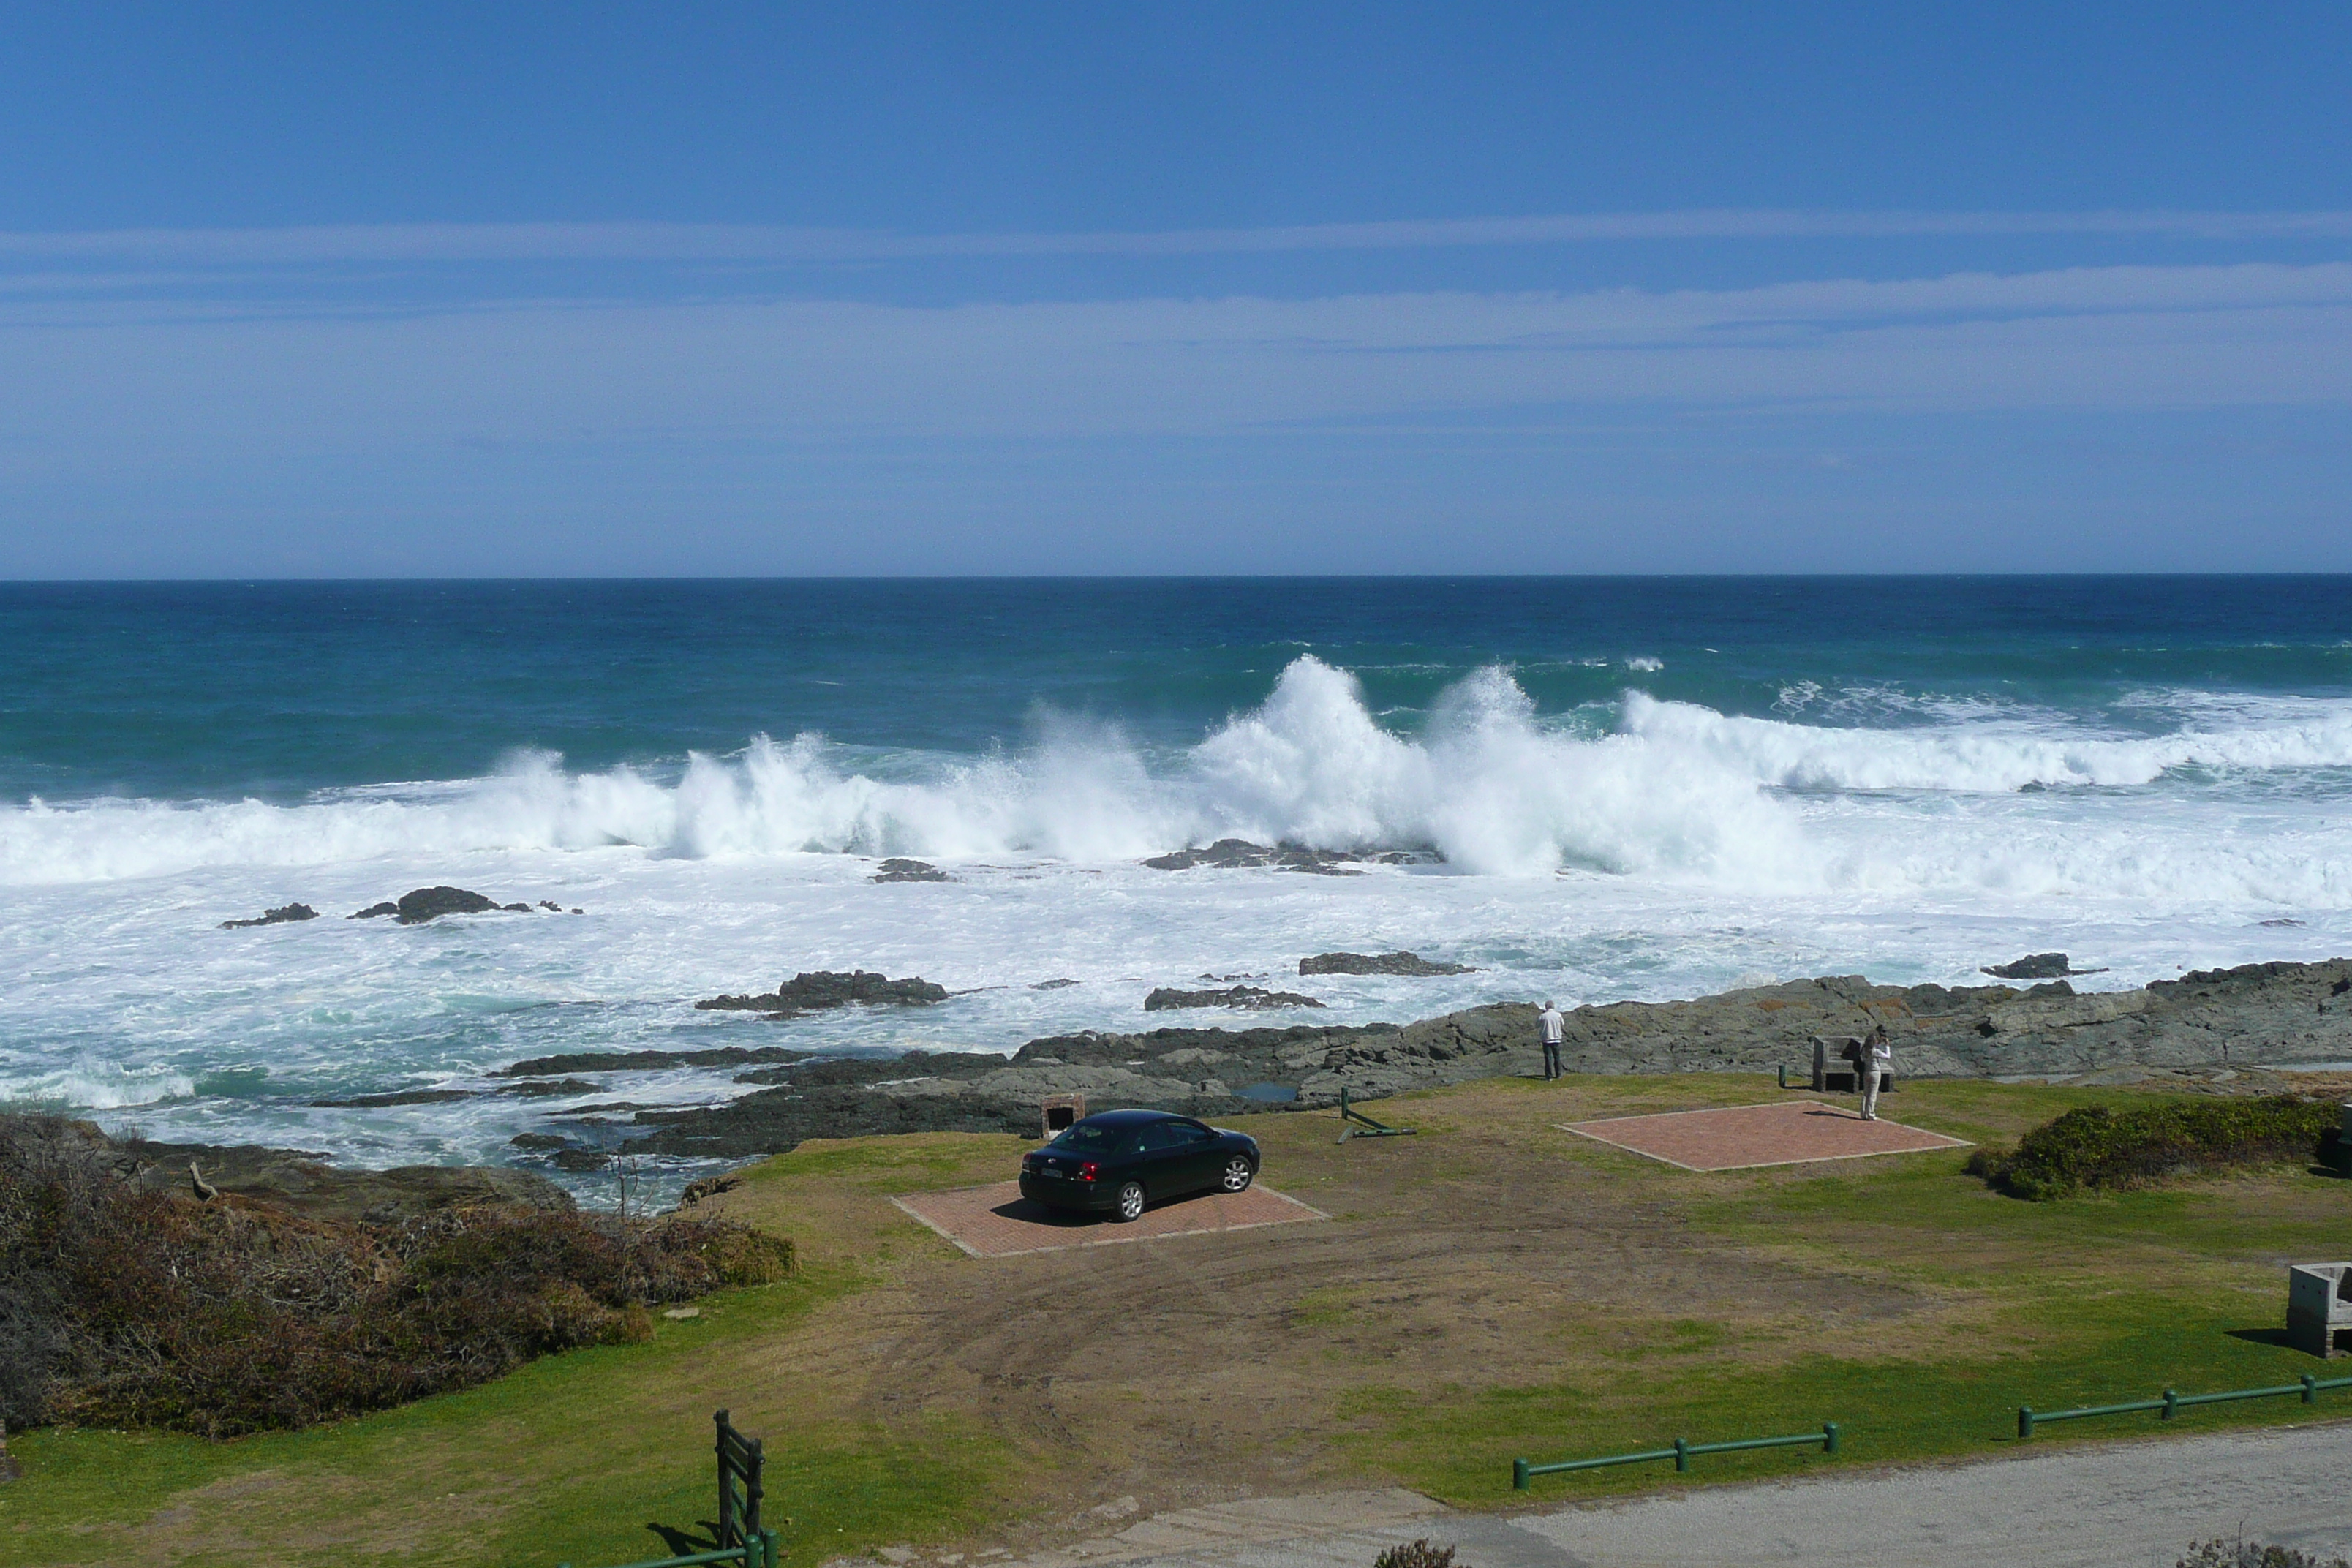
{"points": [[1674, 791]]}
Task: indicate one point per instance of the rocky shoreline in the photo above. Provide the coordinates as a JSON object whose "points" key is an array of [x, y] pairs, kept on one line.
{"points": [[2207, 1023]]}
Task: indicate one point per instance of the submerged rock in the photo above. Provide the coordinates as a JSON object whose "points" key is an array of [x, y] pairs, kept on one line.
{"points": [[814, 992], [286, 915], [898, 871], [1378, 963], [1233, 854], [1167, 998]]}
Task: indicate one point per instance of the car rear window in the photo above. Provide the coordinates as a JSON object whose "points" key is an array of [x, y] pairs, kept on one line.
{"points": [[1085, 1140]]}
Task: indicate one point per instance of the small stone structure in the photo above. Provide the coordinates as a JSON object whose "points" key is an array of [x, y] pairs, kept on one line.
{"points": [[1834, 1073], [2318, 1305], [1060, 1111]]}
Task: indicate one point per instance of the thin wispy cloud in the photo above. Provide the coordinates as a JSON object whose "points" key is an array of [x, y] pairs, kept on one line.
{"points": [[662, 242], [114, 384]]}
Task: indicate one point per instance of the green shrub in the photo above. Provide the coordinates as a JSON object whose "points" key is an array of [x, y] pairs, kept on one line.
{"points": [[2094, 1147]]}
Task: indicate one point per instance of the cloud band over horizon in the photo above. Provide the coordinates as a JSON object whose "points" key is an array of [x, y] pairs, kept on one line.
{"points": [[623, 241]]}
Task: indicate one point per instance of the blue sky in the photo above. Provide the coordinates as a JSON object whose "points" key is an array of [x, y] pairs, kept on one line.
{"points": [[632, 290]]}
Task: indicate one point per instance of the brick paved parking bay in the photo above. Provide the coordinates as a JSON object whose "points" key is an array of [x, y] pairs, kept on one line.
{"points": [[996, 1221], [1737, 1138]]}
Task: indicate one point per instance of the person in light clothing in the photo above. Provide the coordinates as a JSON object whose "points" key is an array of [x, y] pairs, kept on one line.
{"points": [[1877, 1061], [1551, 1025]]}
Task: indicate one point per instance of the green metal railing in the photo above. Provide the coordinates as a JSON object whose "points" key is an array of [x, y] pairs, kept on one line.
{"points": [[2171, 1402], [740, 1539], [762, 1551], [1522, 1472], [1354, 1123]]}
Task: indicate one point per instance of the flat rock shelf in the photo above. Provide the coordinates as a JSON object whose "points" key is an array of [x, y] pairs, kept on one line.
{"points": [[996, 1221], [1741, 1137]]}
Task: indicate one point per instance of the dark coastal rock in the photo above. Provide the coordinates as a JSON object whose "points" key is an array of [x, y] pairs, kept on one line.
{"points": [[286, 915], [431, 903], [645, 1061], [807, 993], [1051, 984], [898, 871], [423, 904], [397, 1096], [2037, 966], [303, 1183], [907, 1067], [1378, 963], [539, 1142], [1235, 854], [2232, 1020], [549, 1088], [1166, 997]]}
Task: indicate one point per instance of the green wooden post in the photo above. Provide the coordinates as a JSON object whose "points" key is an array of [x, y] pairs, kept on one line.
{"points": [[1682, 1454], [2310, 1389], [1519, 1470], [2171, 1404], [2024, 1422], [1829, 1436]]}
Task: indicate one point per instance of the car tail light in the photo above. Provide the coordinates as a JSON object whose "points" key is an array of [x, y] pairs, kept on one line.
{"points": [[1088, 1171]]}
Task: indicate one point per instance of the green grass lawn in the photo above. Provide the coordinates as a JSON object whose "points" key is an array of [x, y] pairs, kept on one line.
{"points": [[569, 1459], [1964, 1305]]}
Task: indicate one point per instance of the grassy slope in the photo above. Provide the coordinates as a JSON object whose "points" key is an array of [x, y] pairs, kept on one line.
{"points": [[2050, 1304], [2054, 1305]]}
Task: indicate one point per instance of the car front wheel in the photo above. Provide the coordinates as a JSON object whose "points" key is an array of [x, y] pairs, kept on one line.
{"points": [[1238, 1174], [1130, 1201]]}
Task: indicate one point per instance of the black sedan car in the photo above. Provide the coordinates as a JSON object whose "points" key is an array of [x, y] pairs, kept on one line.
{"points": [[1121, 1160]]}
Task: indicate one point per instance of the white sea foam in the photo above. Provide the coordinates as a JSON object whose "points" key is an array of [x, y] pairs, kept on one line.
{"points": [[1997, 754], [1677, 792], [1693, 851], [93, 1086]]}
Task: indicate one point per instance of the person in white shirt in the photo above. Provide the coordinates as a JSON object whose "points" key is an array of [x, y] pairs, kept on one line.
{"points": [[1877, 1061], [1551, 1025]]}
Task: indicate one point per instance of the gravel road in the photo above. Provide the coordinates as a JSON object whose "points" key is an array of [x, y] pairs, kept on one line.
{"points": [[2110, 1505]]}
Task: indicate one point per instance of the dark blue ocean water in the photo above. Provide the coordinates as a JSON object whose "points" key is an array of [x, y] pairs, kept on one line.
{"points": [[179, 691]]}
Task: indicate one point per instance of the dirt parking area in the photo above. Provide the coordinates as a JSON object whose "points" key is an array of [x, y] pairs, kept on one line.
{"points": [[1221, 1364], [996, 1221]]}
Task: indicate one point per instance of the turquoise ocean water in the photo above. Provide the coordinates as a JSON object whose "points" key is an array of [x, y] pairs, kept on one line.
{"points": [[1624, 788]]}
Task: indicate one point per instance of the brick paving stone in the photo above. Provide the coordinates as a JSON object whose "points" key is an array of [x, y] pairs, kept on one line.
{"points": [[996, 1221], [1786, 1133]]}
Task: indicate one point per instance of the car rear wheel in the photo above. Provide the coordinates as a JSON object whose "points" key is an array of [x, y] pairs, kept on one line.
{"points": [[1238, 1173], [1130, 1201]]}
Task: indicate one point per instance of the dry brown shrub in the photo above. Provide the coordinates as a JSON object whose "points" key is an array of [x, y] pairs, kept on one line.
{"points": [[129, 1306]]}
